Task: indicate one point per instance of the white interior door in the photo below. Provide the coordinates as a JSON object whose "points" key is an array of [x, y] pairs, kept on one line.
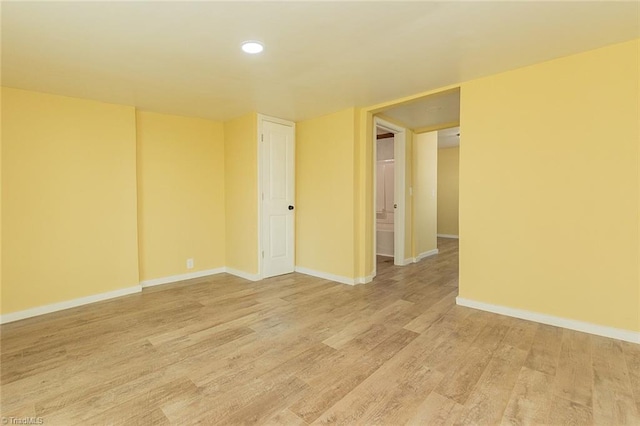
{"points": [[278, 207], [399, 197]]}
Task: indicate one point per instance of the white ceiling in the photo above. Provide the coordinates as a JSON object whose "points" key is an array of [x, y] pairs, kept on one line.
{"points": [[184, 57], [448, 138], [436, 109]]}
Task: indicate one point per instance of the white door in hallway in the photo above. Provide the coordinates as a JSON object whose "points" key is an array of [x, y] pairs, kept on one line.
{"points": [[278, 197]]}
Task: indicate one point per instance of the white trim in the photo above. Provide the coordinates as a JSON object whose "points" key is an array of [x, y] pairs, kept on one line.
{"points": [[400, 186], [365, 280], [374, 197], [448, 236], [60, 306], [585, 327], [418, 258], [180, 277], [242, 274], [332, 277], [424, 255], [261, 118]]}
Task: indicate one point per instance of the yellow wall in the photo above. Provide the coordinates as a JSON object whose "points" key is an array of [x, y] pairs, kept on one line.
{"points": [[241, 192], [549, 191], [68, 199], [448, 162], [180, 194], [409, 222], [363, 193], [325, 193], [1, 240], [549, 188], [425, 160]]}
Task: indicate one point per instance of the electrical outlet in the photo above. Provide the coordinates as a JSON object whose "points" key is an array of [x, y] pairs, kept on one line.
{"points": [[189, 263]]}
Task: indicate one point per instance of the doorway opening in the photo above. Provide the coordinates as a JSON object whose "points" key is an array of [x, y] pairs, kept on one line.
{"points": [[389, 195], [416, 189], [448, 183], [385, 200]]}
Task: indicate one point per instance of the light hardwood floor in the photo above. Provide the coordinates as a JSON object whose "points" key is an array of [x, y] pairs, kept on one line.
{"points": [[296, 349]]}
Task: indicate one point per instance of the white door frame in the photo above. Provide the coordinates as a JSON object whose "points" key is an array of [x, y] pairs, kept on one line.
{"points": [[261, 119], [399, 155]]}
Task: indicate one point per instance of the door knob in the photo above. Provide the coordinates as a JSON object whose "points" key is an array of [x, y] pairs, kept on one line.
{"points": [[290, 207], [395, 206]]}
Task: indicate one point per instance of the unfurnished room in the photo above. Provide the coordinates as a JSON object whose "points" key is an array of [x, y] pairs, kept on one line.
{"points": [[311, 212]]}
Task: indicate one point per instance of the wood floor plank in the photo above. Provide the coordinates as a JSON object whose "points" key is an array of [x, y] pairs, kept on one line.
{"points": [[450, 351], [613, 401], [264, 392], [574, 376], [423, 321], [342, 379], [530, 400], [393, 392], [632, 357], [436, 410], [545, 349], [459, 383], [488, 400], [565, 412], [262, 407], [521, 334], [296, 349], [356, 328], [136, 409], [285, 418]]}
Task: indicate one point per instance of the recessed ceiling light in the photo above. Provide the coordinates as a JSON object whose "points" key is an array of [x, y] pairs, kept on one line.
{"points": [[252, 47]]}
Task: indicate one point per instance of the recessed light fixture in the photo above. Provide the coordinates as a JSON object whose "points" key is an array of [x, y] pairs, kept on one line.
{"points": [[252, 47]]}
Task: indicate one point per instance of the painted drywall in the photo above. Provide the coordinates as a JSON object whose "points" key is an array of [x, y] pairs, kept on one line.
{"points": [[1, 240], [549, 188], [241, 193], [325, 193], [448, 173], [384, 149], [410, 251], [425, 163], [68, 199], [181, 211]]}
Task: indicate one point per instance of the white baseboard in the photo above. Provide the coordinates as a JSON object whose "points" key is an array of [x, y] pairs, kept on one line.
{"points": [[332, 277], [180, 277], [364, 280], [448, 236], [47, 309], [418, 258], [585, 327], [243, 274], [60, 306], [425, 255]]}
